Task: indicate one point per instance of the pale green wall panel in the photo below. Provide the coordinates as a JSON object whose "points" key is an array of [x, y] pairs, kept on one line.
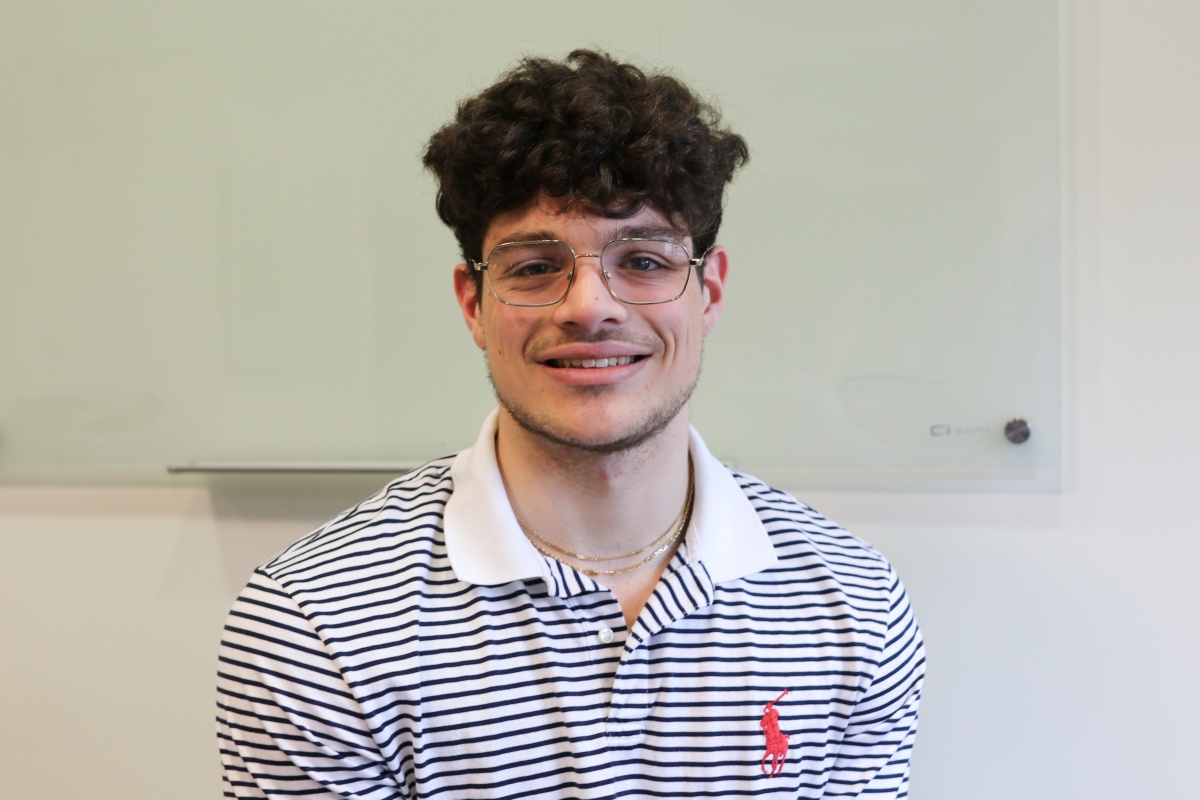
{"points": [[216, 241]]}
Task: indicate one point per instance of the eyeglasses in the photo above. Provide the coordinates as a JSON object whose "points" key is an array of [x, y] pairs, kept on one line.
{"points": [[636, 271]]}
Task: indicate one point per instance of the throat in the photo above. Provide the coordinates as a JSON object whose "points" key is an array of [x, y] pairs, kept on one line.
{"points": [[609, 562]]}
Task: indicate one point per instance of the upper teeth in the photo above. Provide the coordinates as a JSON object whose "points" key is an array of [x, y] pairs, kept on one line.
{"points": [[587, 363]]}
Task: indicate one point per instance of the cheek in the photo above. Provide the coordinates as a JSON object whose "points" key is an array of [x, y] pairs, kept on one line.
{"points": [[683, 344], [504, 341], [691, 329]]}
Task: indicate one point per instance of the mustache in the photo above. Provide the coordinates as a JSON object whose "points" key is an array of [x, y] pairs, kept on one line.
{"points": [[541, 345]]}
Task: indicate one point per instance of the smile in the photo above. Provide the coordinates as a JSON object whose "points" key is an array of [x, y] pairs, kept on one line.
{"points": [[592, 363]]}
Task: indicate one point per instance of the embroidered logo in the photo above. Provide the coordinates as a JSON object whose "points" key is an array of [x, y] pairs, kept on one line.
{"points": [[777, 740]]}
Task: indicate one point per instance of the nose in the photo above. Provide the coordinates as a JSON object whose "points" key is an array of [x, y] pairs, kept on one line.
{"points": [[589, 303]]}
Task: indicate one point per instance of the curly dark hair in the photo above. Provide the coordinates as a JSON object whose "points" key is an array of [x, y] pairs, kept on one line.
{"points": [[604, 135]]}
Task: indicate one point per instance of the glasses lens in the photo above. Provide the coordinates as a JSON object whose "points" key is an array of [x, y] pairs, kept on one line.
{"points": [[646, 271], [530, 273]]}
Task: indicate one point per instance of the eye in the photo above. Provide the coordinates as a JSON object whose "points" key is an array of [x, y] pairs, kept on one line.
{"points": [[532, 269], [529, 262], [645, 258], [642, 263]]}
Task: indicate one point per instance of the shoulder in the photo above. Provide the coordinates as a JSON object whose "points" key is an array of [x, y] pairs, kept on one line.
{"points": [[400, 523], [811, 547], [826, 573], [791, 522]]}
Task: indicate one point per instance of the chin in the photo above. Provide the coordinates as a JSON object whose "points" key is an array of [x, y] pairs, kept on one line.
{"points": [[617, 439], [619, 443]]}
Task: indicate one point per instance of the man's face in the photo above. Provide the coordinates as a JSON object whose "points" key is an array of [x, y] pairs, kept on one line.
{"points": [[545, 362]]}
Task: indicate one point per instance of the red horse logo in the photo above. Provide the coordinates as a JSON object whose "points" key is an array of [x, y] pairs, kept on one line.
{"points": [[777, 740]]}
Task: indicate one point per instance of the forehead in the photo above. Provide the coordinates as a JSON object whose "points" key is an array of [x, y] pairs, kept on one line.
{"points": [[549, 218]]}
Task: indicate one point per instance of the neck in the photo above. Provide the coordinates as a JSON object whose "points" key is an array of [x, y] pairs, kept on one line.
{"points": [[593, 502]]}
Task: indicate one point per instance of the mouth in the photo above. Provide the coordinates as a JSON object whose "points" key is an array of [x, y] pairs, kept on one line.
{"points": [[591, 363]]}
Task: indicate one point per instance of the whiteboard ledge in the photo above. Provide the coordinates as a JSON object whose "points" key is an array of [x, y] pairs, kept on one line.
{"points": [[293, 467]]}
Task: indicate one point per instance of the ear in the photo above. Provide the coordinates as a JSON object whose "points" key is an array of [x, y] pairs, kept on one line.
{"points": [[470, 302], [716, 269]]}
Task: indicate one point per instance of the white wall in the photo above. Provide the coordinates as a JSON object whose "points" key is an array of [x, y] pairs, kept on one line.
{"points": [[1063, 629]]}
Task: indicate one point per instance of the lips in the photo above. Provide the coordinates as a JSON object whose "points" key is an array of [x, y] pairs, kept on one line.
{"points": [[605, 351], [592, 363]]}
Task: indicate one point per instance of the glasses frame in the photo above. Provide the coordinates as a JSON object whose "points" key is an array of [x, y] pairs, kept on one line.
{"points": [[693, 262]]}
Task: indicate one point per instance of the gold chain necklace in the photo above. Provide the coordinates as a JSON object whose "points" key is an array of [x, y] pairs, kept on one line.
{"points": [[525, 526], [674, 530]]}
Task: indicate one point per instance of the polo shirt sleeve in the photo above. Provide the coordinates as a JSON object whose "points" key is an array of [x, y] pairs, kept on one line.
{"points": [[288, 723], [873, 760]]}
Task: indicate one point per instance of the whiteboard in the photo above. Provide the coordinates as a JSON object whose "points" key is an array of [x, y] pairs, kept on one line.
{"points": [[217, 242]]}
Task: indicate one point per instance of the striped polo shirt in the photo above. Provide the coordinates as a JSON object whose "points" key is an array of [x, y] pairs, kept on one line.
{"points": [[419, 646]]}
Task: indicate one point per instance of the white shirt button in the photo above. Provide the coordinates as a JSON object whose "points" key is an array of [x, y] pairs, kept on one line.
{"points": [[605, 635]]}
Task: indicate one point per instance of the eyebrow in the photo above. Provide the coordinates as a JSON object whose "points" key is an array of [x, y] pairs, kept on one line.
{"points": [[528, 236], [649, 232], [625, 232]]}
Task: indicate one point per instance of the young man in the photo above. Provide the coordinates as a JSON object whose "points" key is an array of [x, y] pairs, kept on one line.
{"points": [[586, 603]]}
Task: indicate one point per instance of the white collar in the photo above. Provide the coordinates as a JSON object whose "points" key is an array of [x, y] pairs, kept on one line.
{"points": [[486, 546]]}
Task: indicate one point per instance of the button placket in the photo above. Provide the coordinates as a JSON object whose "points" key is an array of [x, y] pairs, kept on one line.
{"points": [[681, 592], [601, 624]]}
